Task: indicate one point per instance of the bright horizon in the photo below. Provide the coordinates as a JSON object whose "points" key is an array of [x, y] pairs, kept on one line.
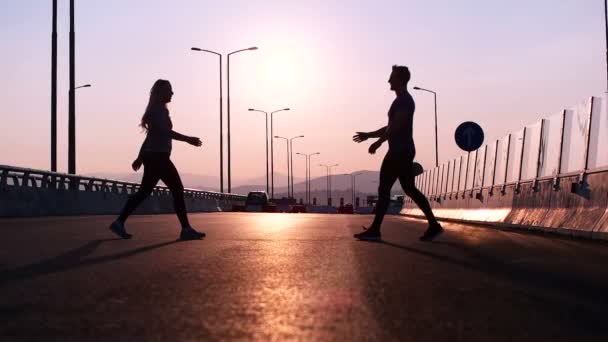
{"points": [[329, 62]]}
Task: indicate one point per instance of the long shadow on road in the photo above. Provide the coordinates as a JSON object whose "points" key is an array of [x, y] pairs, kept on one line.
{"points": [[70, 260]]}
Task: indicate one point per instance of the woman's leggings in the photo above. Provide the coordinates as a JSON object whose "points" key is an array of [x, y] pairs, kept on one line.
{"points": [[399, 167], [158, 166]]}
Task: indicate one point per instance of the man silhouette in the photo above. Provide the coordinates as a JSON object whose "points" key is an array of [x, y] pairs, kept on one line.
{"points": [[399, 160]]}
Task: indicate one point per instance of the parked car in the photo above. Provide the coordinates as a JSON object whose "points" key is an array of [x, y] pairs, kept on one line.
{"points": [[256, 201], [346, 209]]}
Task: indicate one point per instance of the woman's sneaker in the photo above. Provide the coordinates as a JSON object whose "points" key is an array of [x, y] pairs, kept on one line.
{"points": [[118, 228], [369, 235], [190, 234]]}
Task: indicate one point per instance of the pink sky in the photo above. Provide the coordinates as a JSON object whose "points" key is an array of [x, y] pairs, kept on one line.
{"points": [[501, 67]]}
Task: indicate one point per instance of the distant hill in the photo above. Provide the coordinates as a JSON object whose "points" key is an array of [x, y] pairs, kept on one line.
{"points": [[366, 183]]}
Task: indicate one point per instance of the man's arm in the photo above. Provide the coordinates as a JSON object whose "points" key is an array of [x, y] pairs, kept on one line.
{"points": [[384, 133], [362, 136], [378, 133]]}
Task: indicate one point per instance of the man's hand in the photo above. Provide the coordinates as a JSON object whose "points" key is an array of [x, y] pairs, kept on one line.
{"points": [[360, 137], [373, 147], [136, 164], [194, 141]]}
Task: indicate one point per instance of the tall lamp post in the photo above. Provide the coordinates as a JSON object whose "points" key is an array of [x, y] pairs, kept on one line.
{"points": [[271, 147], [606, 28], [72, 100], [72, 133], [328, 167], [266, 138], [54, 89], [221, 117], [291, 159], [287, 148], [307, 156], [228, 115], [289, 142], [436, 140], [272, 150], [353, 180]]}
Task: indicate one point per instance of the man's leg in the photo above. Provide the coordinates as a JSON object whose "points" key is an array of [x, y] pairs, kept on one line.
{"points": [[388, 176], [407, 180]]}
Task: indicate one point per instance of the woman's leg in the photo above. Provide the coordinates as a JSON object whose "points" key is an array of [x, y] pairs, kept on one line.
{"points": [[171, 178], [148, 182]]}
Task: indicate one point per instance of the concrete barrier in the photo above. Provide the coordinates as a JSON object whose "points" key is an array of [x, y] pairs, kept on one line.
{"points": [[28, 192], [578, 206]]}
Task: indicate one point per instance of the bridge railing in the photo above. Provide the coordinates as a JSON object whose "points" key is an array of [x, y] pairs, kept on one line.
{"points": [[572, 142], [11, 176]]}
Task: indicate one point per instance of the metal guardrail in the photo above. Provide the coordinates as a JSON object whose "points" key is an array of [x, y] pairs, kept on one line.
{"points": [[11, 176], [571, 143]]}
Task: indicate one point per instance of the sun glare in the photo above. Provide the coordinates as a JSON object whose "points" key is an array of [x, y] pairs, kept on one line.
{"points": [[281, 69]]}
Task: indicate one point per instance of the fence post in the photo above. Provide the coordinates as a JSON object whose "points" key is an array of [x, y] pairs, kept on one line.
{"points": [[479, 195], [539, 160], [521, 161], [466, 175], [459, 175], [474, 173], [504, 184], [582, 179], [447, 180], [491, 192], [440, 184], [556, 182]]}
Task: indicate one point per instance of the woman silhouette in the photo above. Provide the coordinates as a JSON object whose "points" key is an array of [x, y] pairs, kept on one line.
{"points": [[154, 155]]}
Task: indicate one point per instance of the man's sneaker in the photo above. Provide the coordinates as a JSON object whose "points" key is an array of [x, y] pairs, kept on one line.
{"points": [[369, 235], [190, 234], [432, 232], [118, 228]]}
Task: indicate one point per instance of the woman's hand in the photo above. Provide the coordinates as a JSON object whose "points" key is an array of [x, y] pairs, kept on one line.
{"points": [[360, 137], [194, 141], [136, 164]]}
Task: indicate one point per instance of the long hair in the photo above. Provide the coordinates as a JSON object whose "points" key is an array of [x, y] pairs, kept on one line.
{"points": [[155, 101]]}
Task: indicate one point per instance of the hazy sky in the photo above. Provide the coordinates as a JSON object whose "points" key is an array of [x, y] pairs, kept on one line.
{"points": [[503, 64]]}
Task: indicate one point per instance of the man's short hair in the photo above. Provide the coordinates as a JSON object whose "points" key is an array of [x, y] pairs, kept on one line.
{"points": [[401, 73]]}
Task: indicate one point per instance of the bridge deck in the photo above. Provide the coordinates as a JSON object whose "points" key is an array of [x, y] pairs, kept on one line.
{"points": [[295, 276]]}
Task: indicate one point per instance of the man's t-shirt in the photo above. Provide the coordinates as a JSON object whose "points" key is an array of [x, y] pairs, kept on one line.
{"points": [[401, 140]]}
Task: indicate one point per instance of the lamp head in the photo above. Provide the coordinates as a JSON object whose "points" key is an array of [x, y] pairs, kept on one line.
{"points": [[195, 49]]}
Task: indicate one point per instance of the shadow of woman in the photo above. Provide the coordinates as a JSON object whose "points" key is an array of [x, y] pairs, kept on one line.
{"points": [[72, 259]]}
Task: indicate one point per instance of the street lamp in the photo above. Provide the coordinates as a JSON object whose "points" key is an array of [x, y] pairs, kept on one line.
{"points": [[271, 147], [328, 167], [287, 148], [265, 138], [228, 116], [221, 118], [72, 131], [54, 89], [307, 156], [436, 141], [606, 28], [353, 179], [291, 159], [289, 142]]}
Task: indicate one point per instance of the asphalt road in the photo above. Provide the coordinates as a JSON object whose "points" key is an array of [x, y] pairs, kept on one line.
{"points": [[295, 277]]}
